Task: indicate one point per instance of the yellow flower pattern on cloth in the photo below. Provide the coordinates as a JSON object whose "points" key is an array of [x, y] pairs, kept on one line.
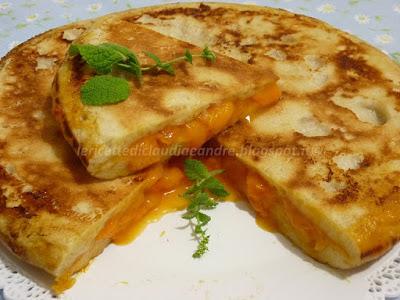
{"points": [[376, 21]]}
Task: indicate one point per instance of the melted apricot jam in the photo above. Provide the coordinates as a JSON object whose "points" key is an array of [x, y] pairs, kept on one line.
{"points": [[167, 182], [162, 195], [63, 283], [264, 199], [196, 132], [379, 229], [162, 198]]}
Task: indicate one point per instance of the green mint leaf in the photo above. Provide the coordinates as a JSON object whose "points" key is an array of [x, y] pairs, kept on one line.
{"points": [[167, 67], [203, 218], [215, 187], [188, 215], [195, 170], [101, 59], [208, 54], [132, 68], [73, 50], [211, 184], [124, 51], [204, 201], [202, 246], [132, 60], [105, 57], [154, 57], [192, 190], [137, 70], [104, 89], [188, 56], [194, 207], [198, 229], [198, 195]]}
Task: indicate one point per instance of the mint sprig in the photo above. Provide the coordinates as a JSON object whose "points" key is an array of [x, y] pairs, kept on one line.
{"points": [[208, 54], [105, 89], [106, 57], [160, 65], [188, 56], [205, 185], [100, 58]]}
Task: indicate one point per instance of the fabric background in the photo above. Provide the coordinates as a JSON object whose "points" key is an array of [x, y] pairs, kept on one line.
{"points": [[377, 22]]}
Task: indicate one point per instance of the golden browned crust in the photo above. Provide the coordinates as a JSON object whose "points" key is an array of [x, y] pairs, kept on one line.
{"points": [[102, 133], [57, 174], [332, 142], [51, 209]]}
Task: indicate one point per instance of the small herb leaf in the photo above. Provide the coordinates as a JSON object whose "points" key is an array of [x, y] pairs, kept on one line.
{"points": [[154, 57], [101, 59], [204, 201], [104, 58], [132, 68], [199, 196], [208, 54], [123, 50], [203, 218], [188, 215], [202, 247], [188, 56], [104, 89], [215, 187], [167, 67], [73, 50], [195, 170]]}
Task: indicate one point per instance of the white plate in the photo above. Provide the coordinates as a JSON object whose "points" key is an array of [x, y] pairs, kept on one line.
{"points": [[244, 262]]}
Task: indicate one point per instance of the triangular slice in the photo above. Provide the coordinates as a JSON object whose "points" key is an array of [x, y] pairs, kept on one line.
{"points": [[162, 114], [53, 214], [334, 190], [330, 148]]}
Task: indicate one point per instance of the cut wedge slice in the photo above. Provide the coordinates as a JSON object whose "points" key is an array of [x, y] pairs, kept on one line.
{"points": [[165, 113]]}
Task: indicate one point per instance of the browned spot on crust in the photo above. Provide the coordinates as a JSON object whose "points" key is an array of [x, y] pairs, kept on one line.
{"points": [[31, 203], [359, 65], [200, 12], [351, 59], [349, 194], [368, 160]]}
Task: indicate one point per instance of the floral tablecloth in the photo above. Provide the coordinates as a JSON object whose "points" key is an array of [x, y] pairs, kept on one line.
{"points": [[377, 22]]}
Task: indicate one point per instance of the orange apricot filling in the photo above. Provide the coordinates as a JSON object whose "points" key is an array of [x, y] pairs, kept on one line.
{"points": [[196, 132], [162, 195], [264, 198]]}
